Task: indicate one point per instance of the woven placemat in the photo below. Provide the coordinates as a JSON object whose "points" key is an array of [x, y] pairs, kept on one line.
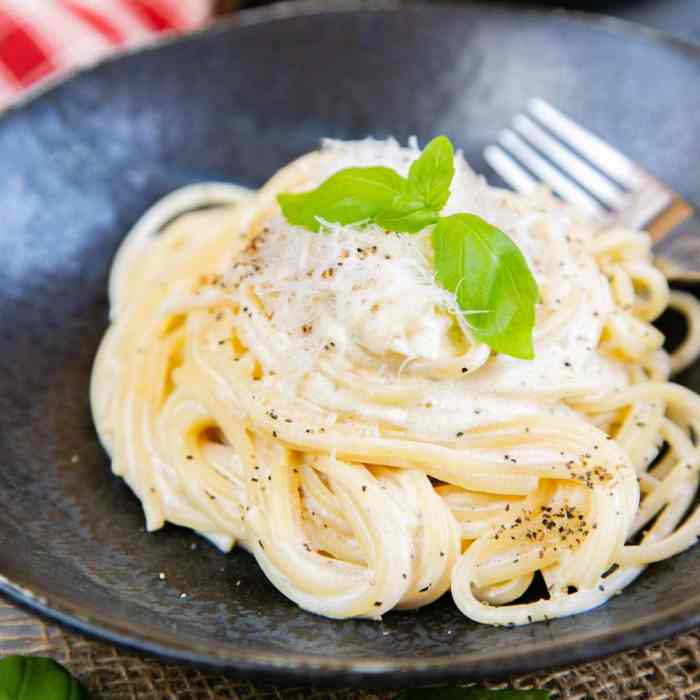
{"points": [[666, 671]]}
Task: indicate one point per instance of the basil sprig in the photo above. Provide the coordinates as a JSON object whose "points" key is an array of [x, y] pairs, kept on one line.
{"points": [[456, 693], [349, 196], [37, 678], [431, 174], [491, 280], [425, 190], [478, 263]]}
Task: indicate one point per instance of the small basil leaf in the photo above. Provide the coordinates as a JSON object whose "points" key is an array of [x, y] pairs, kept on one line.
{"points": [[407, 214], [347, 197], [430, 175], [406, 222], [491, 281], [37, 678], [470, 694]]}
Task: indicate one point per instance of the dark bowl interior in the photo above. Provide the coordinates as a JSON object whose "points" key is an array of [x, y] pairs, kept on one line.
{"points": [[82, 161]]}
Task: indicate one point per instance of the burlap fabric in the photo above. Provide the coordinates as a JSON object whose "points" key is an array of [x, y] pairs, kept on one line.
{"points": [[666, 671]]}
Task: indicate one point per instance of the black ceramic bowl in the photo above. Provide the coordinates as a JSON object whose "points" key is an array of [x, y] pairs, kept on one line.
{"points": [[80, 162]]}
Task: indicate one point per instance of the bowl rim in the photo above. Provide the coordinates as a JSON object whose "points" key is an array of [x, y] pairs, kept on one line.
{"points": [[371, 671]]}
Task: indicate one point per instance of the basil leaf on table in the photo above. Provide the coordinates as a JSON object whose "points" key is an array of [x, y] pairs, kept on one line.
{"points": [[347, 197], [37, 678], [455, 693], [431, 173], [491, 281]]}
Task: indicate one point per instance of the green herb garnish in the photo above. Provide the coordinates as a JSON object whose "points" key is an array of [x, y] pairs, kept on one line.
{"points": [[431, 174], [500, 282], [37, 678], [348, 197], [480, 264], [455, 693], [425, 190]]}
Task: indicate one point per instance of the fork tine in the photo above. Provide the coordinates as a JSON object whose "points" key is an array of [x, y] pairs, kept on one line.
{"points": [[518, 178], [570, 163], [539, 166], [603, 156]]}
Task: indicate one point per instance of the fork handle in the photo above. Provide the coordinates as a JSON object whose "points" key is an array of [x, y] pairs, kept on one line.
{"points": [[678, 250], [670, 219]]}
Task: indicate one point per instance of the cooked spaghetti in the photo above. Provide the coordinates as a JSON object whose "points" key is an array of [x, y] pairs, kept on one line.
{"points": [[319, 399]]}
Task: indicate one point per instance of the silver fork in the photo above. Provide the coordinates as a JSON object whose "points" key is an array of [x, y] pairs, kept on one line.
{"points": [[545, 146]]}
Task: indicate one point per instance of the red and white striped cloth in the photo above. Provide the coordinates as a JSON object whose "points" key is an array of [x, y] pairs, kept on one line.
{"points": [[39, 38]]}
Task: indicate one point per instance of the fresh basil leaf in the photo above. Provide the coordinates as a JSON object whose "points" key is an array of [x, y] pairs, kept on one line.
{"points": [[407, 214], [347, 197], [491, 280], [430, 175], [455, 693], [406, 222], [37, 678]]}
